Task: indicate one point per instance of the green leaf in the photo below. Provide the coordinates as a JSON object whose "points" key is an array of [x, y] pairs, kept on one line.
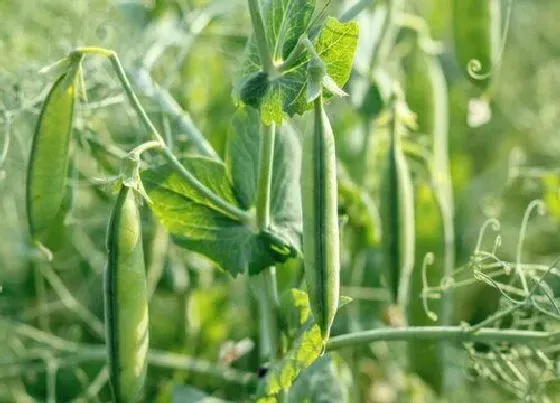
{"points": [[321, 382], [286, 21], [336, 45], [197, 224], [242, 161], [295, 310], [306, 349]]}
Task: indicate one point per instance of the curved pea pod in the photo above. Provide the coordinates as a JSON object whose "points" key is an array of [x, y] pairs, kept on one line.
{"points": [[426, 94], [320, 222], [397, 219], [46, 191], [477, 37], [126, 300]]}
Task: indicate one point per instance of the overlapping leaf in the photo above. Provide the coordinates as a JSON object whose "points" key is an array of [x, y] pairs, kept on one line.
{"points": [[242, 160], [306, 349], [199, 224], [285, 94]]}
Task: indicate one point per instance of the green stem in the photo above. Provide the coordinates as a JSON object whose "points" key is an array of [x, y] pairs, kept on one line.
{"points": [[265, 177], [260, 36], [461, 334], [113, 58], [170, 107], [269, 295], [159, 143], [73, 353], [294, 56]]}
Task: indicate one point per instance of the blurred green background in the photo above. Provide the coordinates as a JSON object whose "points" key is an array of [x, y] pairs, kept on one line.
{"points": [[192, 49]]}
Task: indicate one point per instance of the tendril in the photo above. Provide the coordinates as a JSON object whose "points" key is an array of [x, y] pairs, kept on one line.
{"points": [[495, 227], [428, 261], [540, 207]]}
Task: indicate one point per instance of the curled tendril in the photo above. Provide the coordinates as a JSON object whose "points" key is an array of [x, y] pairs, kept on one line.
{"points": [[540, 207], [494, 223], [474, 68], [428, 261]]}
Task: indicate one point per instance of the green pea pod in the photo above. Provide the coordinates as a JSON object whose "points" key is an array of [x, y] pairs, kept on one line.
{"points": [[126, 300], [47, 171], [426, 94], [397, 218], [477, 36], [320, 223]]}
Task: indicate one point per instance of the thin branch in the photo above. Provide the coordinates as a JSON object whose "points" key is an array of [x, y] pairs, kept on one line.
{"points": [[437, 333]]}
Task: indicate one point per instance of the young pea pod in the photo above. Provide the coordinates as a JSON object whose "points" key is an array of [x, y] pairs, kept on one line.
{"points": [[397, 217], [46, 193], [477, 36], [320, 223], [426, 95], [126, 300]]}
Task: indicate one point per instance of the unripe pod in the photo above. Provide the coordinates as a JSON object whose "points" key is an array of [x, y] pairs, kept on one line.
{"points": [[126, 302], [397, 219], [320, 222], [46, 192], [477, 36]]}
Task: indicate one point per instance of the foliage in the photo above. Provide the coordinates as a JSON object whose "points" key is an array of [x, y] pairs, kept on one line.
{"points": [[199, 109]]}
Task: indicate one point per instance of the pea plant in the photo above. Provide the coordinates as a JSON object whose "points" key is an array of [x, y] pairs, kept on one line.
{"points": [[283, 216]]}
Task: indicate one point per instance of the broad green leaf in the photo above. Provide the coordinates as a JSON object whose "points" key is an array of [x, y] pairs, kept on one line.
{"points": [[242, 161], [321, 382], [49, 161], [242, 155], [306, 349], [285, 21], [335, 45], [295, 310], [197, 224]]}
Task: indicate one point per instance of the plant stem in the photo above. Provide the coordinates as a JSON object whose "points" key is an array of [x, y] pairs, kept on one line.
{"points": [[74, 353], [260, 36], [170, 107], [113, 58], [294, 56], [269, 295], [438, 333], [215, 200], [265, 176]]}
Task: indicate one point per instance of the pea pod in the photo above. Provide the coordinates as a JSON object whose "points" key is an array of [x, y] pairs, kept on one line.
{"points": [[477, 37], [126, 300], [46, 193], [397, 219], [426, 94], [320, 224]]}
